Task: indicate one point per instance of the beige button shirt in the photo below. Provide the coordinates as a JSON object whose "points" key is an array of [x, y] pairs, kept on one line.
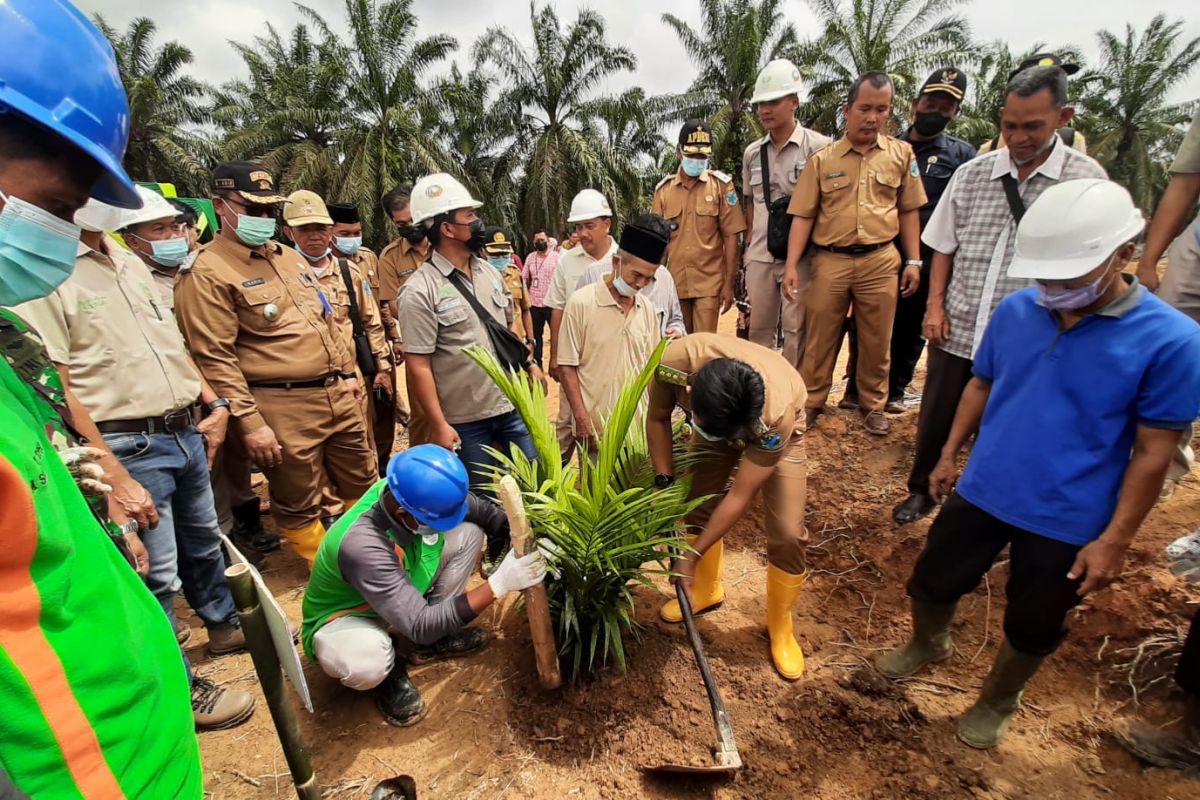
{"points": [[606, 344], [107, 323], [571, 266], [784, 166], [436, 320]]}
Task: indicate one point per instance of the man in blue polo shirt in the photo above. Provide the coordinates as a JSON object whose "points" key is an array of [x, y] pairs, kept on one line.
{"points": [[1081, 386]]}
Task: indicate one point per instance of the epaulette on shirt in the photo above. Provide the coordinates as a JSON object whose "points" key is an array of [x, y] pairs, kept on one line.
{"points": [[663, 182], [724, 177]]}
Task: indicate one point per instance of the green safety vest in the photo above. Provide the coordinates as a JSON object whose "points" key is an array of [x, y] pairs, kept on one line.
{"points": [[330, 596], [95, 696]]}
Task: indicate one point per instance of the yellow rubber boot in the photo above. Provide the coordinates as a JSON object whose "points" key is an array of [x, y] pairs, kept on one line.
{"points": [[306, 540], [782, 590], [707, 591]]}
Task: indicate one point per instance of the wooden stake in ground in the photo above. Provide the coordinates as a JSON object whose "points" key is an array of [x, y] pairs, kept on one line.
{"points": [[536, 606]]}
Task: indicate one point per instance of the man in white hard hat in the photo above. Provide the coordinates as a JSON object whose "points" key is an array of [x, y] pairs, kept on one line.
{"points": [[442, 308], [1082, 385], [770, 168], [591, 216]]}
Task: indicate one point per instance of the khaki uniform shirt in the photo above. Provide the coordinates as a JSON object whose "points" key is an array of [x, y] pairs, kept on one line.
{"points": [[166, 286], [520, 296], [784, 166], [436, 320], [606, 344], [783, 408], [368, 267], [335, 292], [857, 199], [397, 263], [108, 325], [252, 318], [701, 215]]}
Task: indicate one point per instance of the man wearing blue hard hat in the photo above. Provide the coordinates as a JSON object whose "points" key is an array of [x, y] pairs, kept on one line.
{"points": [[95, 691], [399, 560]]}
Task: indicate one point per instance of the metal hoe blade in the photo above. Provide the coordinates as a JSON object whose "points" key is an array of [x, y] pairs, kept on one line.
{"points": [[726, 759]]}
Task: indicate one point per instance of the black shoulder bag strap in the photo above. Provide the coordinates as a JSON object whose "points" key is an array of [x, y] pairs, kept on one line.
{"points": [[1013, 193], [362, 344], [510, 350], [766, 176]]}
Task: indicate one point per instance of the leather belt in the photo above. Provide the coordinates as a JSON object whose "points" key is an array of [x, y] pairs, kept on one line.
{"points": [[328, 380], [852, 250], [174, 422]]}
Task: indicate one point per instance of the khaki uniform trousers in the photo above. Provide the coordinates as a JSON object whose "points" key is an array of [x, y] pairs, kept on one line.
{"points": [[783, 496], [871, 281], [1181, 289], [700, 314], [331, 503], [324, 438], [769, 306]]}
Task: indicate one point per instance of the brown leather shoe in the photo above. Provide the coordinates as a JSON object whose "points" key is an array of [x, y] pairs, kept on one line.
{"points": [[183, 632], [214, 708], [876, 423]]}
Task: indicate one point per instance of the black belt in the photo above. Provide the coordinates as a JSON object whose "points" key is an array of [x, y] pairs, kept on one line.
{"points": [[174, 422], [328, 380], [852, 250]]}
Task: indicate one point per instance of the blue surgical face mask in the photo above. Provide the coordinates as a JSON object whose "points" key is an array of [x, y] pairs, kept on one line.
{"points": [[253, 231], [347, 244], [169, 253], [694, 167], [500, 262], [706, 436], [37, 251], [1073, 299], [623, 288]]}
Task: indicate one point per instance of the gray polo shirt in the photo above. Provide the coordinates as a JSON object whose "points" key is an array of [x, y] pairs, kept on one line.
{"points": [[436, 320]]}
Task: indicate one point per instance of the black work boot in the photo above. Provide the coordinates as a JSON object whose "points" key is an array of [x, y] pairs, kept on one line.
{"points": [[247, 531], [398, 699], [1177, 748], [459, 643], [914, 507]]}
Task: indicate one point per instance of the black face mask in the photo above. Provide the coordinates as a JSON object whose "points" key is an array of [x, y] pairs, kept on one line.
{"points": [[540, 246], [478, 233], [411, 233], [930, 123]]}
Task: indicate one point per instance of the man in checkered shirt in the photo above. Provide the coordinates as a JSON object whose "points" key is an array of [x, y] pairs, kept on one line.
{"points": [[972, 233]]}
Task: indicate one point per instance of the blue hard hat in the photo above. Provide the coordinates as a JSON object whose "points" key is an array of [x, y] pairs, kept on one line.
{"points": [[59, 71], [430, 483]]}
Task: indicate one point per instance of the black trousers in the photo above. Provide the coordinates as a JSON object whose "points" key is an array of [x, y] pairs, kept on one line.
{"points": [[384, 411], [946, 376], [964, 542], [1188, 673], [907, 342], [541, 319]]}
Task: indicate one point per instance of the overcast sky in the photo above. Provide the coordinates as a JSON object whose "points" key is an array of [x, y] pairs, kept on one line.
{"points": [[207, 27]]}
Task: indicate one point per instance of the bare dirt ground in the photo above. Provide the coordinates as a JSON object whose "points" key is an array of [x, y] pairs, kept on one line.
{"points": [[841, 732]]}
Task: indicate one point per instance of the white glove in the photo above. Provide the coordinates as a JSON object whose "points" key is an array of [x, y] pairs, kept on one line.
{"points": [[518, 572]]}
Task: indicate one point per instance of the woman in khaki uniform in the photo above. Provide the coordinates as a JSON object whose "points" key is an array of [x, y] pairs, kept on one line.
{"points": [[746, 403]]}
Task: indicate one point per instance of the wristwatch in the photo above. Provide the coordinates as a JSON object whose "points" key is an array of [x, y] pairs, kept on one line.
{"points": [[129, 527], [663, 481], [220, 402], [914, 262]]}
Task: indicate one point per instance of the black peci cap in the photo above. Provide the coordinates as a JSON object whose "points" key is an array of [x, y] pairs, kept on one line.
{"points": [[343, 213]]}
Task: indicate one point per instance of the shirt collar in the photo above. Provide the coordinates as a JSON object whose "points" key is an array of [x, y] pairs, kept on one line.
{"points": [[236, 251], [798, 137], [407, 247], [1127, 301], [604, 295], [842, 146], [1052, 167], [446, 268]]}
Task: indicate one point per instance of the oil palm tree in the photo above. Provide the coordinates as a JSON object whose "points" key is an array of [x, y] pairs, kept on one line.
{"points": [[904, 38], [633, 123], [165, 105], [735, 40], [1131, 127], [549, 87]]}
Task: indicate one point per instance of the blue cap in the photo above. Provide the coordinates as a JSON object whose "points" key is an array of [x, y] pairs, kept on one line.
{"points": [[59, 71]]}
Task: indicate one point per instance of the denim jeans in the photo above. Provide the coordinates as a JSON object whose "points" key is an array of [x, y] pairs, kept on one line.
{"points": [[497, 432], [185, 548]]}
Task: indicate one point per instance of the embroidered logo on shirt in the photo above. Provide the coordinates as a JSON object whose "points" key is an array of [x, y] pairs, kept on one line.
{"points": [[731, 198], [913, 169]]}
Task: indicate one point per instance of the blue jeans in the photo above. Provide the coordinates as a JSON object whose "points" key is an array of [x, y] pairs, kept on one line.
{"points": [[498, 432], [185, 548]]}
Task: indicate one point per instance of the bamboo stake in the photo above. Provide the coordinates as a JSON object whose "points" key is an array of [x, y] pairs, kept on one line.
{"points": [[537, 607], [270, 675]]}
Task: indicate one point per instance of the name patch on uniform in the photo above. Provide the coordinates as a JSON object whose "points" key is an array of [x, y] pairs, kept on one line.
{"points": [[913, 169], [731, 198], [449, 304], [253, 283], [675, 377], [835, 174]]}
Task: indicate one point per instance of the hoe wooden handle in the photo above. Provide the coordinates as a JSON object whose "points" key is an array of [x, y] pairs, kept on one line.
{"points": [[536, 606]]}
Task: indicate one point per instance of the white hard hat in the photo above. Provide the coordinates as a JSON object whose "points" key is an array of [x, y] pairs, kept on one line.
{"points": [[439, 193], [154, 206], [589, 204], [778, 78], [99, 217], [1072, 227]]}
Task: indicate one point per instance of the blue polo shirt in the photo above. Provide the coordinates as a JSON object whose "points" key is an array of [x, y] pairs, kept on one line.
{"points": [[1060, 422]]}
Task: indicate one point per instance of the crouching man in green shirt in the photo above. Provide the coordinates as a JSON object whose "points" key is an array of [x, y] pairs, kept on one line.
{"points": [[400, 559]]}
